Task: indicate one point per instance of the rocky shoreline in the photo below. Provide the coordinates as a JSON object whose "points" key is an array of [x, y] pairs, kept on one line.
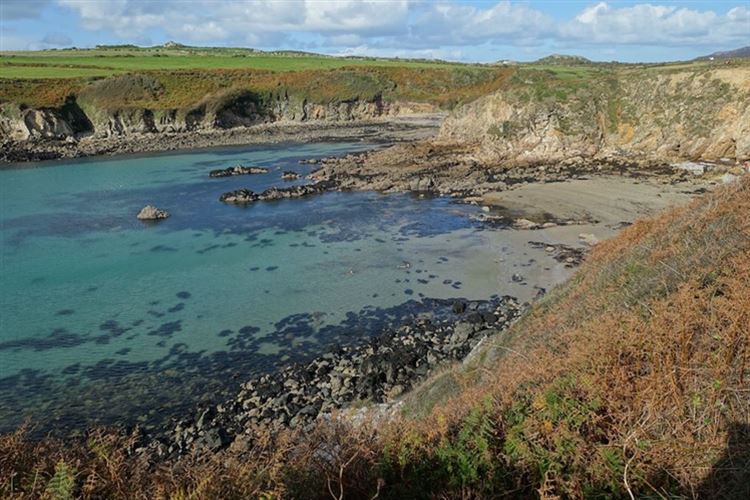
{"points": [[378, 370], [447, 170], [381, 130]]}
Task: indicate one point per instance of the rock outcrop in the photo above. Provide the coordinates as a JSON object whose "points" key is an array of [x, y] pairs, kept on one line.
{"points": [[688, 114], [237, 170], [245, 196]]}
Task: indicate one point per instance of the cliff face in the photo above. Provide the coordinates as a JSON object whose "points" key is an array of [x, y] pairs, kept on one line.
{"points": [[90, 113], [543, 116]]}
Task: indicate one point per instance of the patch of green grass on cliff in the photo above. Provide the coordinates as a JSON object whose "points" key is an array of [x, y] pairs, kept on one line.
{"points": [[536, 83]]}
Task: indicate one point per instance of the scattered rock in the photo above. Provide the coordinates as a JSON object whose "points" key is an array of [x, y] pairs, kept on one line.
{"points": [[289, 175], [378, 370], [565, 254], [150, 212]]}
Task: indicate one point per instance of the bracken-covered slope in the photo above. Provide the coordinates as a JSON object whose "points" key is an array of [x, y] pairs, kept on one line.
{"points": [[675, 111]]}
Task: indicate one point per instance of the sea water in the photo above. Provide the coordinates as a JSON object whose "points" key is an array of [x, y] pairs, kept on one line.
{"points": [[105, 319]]}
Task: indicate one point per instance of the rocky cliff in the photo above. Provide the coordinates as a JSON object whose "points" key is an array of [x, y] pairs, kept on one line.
{"points": [[545, 115], [91, 112]]}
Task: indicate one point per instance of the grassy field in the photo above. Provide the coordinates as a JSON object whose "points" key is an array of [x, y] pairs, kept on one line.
{"points": [[107, 62]]}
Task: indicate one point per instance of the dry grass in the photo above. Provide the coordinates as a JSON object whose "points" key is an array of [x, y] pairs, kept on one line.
{"points": [[630, 380]]}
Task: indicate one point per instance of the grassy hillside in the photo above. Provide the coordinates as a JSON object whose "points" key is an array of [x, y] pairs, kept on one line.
{"points": [[629, 380]]}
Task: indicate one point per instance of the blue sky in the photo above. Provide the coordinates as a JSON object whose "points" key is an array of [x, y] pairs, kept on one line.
{"points": [[480, 31]]}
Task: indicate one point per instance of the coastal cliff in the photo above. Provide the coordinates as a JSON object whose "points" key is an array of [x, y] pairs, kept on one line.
{"points": [[203, 101], [83, 117], [671, 113]]}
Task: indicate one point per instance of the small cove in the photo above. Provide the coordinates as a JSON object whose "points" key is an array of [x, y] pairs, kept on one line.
{"points": [[105, 319]]}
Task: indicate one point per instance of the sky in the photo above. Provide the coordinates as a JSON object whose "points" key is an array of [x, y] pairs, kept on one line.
{"points": [[469, 31]]}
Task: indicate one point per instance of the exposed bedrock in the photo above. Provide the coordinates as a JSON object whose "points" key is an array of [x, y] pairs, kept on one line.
{"points": [[669, 115]]}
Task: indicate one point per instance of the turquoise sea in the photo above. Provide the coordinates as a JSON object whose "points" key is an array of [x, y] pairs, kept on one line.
{"points": [[105, 319]]}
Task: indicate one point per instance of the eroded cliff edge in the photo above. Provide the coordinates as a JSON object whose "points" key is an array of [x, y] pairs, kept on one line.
{"points": [[674, 113]]}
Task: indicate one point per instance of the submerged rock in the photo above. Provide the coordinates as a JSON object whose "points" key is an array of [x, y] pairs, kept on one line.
{"points": [[237, 170], [150, 212]]}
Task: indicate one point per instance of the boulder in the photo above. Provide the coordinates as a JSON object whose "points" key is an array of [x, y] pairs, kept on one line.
{"points": [[150, 212]]}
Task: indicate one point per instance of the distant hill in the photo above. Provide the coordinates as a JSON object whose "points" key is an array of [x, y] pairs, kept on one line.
{"points": [[727, 54], [563, 59]]}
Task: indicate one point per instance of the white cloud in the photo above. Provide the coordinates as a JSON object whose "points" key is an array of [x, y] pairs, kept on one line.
{"points": [[647, 24], [456, 24], [410, 25], [202, 20]]}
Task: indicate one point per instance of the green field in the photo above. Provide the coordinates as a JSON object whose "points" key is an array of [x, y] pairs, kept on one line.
{"points": [[106, 62]]}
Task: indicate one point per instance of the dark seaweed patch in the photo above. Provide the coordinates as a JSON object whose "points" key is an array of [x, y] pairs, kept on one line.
{"points": [[177, 307], [167, 329]]}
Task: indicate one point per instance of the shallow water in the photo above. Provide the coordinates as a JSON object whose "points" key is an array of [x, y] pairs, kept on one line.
{"points": [[107, 319]]}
